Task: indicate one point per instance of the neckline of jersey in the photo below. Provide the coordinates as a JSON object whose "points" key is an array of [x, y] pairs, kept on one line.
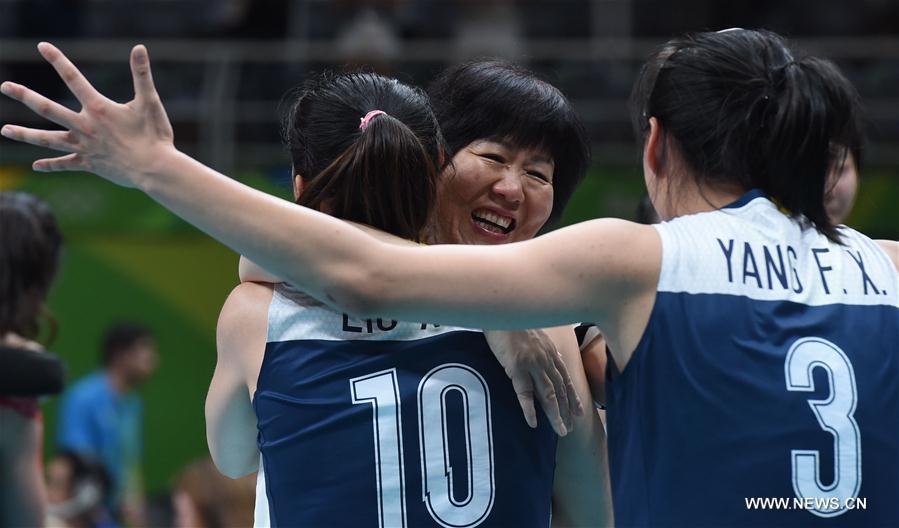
{"points": [[751, 195]]}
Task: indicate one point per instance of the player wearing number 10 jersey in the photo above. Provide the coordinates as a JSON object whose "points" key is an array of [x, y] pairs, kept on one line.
{"points": [[379, 423]]}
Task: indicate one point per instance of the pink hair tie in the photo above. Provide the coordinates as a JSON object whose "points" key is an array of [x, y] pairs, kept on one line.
{"points": [[364, 121]]}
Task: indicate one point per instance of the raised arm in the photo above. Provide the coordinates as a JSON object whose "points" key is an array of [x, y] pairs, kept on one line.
{"points": [[575, 274]]}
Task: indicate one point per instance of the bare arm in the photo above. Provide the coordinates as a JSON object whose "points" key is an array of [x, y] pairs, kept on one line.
{"points": [[891, 247], [581, 490], [575, 274], [230, 419]]}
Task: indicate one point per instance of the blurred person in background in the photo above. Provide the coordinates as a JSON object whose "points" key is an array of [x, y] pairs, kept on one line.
{"points": [[30, 247], [204, 498], [646, 213], [843, 187], [101, 415], [77, 488]]}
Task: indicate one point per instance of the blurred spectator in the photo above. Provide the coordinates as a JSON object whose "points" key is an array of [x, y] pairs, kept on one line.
{"points": [[101, 416], [30, 245], [204, 498], [77, 487], [840, 196], [646, 213]]}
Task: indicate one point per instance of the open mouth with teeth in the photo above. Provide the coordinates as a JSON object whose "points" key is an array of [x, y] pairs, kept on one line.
{"points": [[493, 222]]}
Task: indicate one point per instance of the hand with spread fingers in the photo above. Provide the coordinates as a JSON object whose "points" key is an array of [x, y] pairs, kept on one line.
{"points": [[116, 141], [536, 368]]}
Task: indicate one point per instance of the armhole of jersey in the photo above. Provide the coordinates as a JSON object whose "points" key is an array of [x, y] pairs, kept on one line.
{"points": [[266, 339], [668, 253]]}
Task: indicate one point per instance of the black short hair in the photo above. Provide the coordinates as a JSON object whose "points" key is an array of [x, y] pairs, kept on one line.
{"points": [[120, 338], [498, 100]]}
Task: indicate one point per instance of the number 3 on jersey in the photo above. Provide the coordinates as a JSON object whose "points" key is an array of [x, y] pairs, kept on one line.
{"points": [[381, 391], [835, 415]]}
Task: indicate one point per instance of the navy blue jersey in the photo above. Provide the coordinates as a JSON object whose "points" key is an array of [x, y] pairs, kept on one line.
{"points": [[765, 390], [378, 423]]}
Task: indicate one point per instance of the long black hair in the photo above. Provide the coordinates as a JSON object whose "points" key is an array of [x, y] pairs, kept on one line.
{"points": [[497, 100], [30, 247], [744, 109], [383, 175]]}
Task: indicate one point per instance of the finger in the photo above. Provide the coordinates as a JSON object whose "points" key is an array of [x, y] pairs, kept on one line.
{"points": [[576, 407], [558, 383], [67, 71], [69, 162], [144, 88], [546, 394], [524, 389], [54, 139], [39, 104]]}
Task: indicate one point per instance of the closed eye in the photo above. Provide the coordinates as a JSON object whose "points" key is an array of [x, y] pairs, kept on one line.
{"points": [[538, 175], [494, 157]]}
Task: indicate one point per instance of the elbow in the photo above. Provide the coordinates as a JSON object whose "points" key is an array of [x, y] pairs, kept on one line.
{"points": [[234, 467]]}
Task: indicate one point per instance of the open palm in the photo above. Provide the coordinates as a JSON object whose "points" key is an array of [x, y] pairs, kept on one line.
{"points": [[119, 142]]}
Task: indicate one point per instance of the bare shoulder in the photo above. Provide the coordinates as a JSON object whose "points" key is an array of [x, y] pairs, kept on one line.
{"points": [[243, 320], [891, 247], [621, 249]]}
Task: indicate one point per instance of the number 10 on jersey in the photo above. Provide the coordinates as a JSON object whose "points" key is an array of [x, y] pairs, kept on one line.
{"points": [[381, 391]]}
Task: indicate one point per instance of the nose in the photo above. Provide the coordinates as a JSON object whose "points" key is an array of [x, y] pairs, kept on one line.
{"points": [[508, 188]]}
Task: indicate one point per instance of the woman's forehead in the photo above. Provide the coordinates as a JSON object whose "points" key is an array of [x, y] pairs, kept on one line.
{"points": [[536, 153]]}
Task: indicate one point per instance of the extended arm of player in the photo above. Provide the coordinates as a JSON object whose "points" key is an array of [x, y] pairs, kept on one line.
{"points": [[230, 419], [529, 358], [575, 274]]}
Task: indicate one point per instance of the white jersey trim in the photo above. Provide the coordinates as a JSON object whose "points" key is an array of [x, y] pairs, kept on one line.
{"points": [[758, 252], [289, 320]]}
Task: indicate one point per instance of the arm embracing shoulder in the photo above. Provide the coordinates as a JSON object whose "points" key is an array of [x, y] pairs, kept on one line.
{"points": [[579, 273], [230, 420]]}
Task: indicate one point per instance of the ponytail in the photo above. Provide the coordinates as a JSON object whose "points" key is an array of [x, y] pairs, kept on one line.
{"points": [[745, 112], [385, 179], [813, 124], [367, 148]]}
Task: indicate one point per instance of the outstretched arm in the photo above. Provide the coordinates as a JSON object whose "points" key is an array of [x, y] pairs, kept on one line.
{"points": [[575, 274]]}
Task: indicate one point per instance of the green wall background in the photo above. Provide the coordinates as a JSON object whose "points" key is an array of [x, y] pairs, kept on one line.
{"points": [[126, 258]]}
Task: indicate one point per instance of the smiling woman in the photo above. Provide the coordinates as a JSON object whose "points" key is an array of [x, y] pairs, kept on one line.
{"points": [[512, 170]]}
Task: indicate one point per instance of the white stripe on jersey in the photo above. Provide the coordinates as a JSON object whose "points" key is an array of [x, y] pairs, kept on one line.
{"points": [[289, 321], [758, 252]]}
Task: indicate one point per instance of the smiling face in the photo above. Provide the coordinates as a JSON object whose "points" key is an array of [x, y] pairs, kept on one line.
{"points": [[493, 193]]}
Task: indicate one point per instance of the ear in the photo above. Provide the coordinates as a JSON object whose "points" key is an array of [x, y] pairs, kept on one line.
{"points": [[298, 184], [654, 149], [441, 157]]}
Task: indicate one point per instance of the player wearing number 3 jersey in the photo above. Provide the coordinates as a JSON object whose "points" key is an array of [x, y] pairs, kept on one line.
{"points": [[759, 375]]}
